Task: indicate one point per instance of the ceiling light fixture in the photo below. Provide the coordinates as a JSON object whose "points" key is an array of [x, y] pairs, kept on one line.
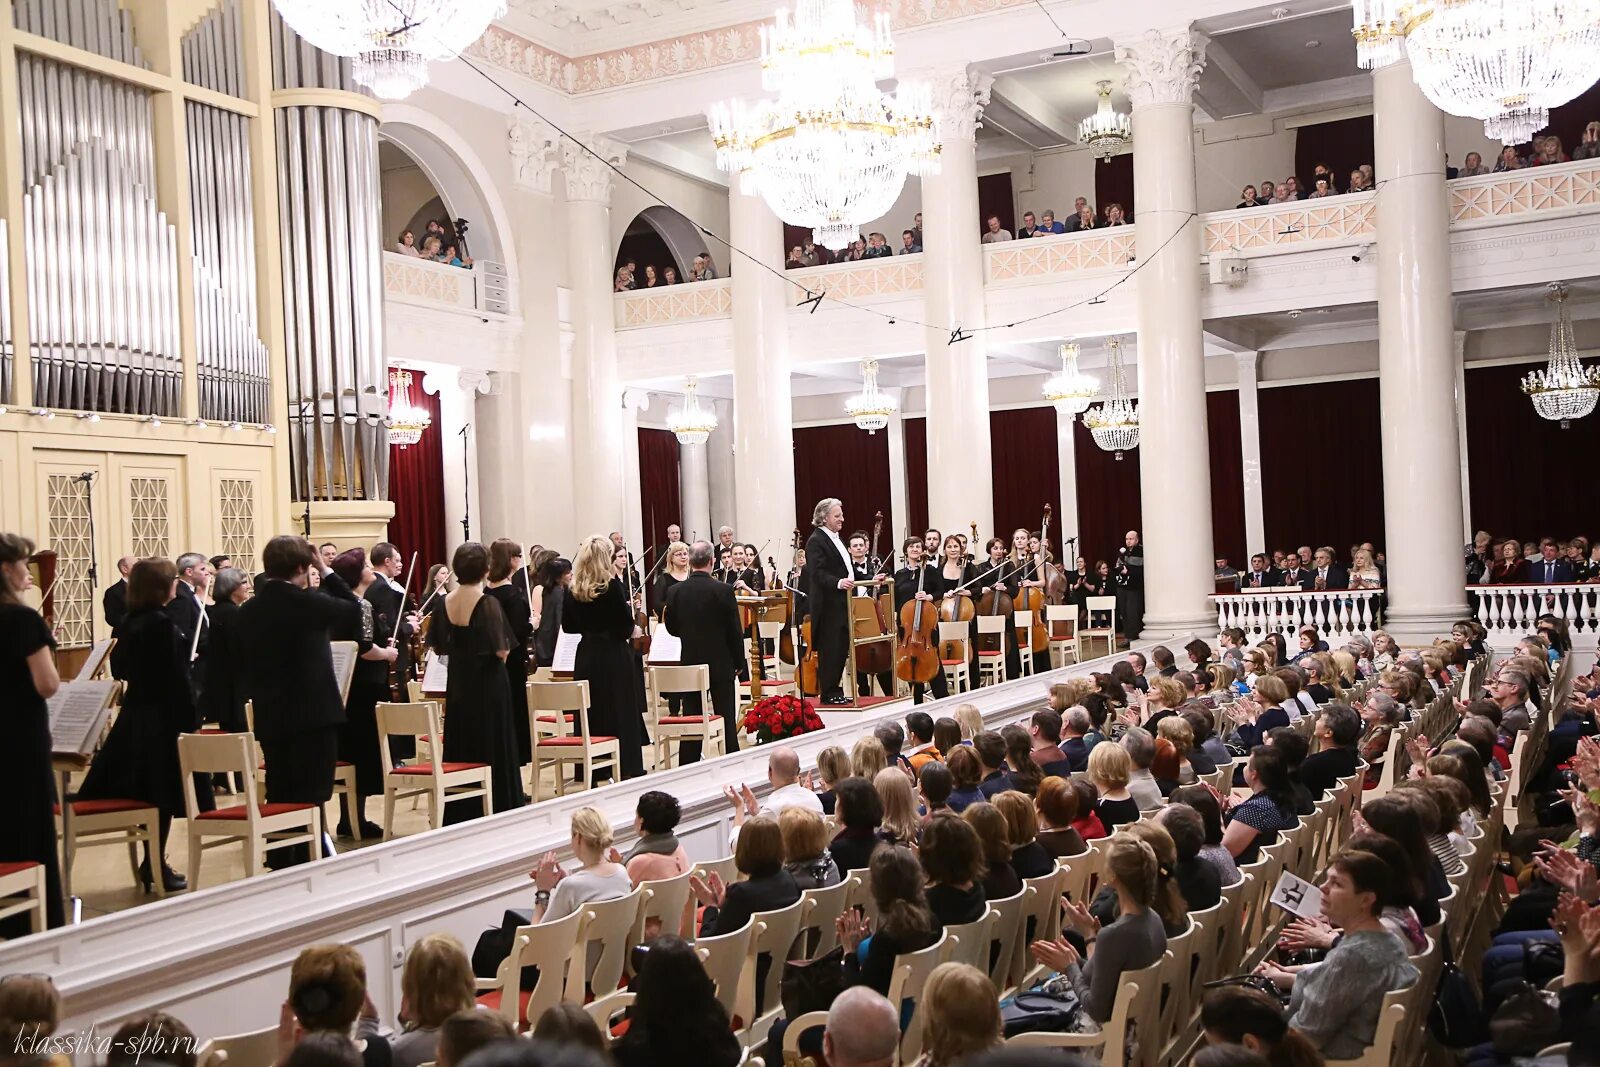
{"points": [[407, 420], [871, 407], [1071, 391], [1115, 423], [1108, 131], [1565, 389], [691, 423]]}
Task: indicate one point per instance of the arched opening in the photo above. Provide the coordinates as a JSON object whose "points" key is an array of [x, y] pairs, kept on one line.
{"points": [[425, 179], [660, 237]]}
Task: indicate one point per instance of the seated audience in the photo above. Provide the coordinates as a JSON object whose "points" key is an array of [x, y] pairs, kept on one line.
{"points": [[1075, 727], [966, 771], [805, 849], [934, 788], [1235, 1015], [990, 749], [863, 1030], [1028, 856], [1056, 806], [1338, 732], [1292, 745], [1269, 809], [1044, 728], [1205, 804], [328, 994], [907, 920], [560, 892], [1022, 771], [1109, 771], [947, 735], [676, 1019], [767, 886], [567, 1025], [1177, 732], [920, 732], [1198, 881], [437, 982], [867, 758], [900, 824], [657, 854], [952, 856], [833, 766], [1165, 766], [466, 1032], [960, 1015], [859, 812], [1000, 878], [1088, 823]]}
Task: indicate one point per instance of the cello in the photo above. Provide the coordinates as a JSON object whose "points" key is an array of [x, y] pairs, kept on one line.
{"points": [[955, 608], [996, 600], [1032, 597], [917, 660], [875, 657]]}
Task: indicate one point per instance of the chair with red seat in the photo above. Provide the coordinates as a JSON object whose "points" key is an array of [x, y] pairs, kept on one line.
{"points": [[549, 946], [92, 823], [344, 777], [259, 827], [706, 727], [439, 781], [592, 752], [22, 890], [956, 637], [992, 661], [547, 723]]}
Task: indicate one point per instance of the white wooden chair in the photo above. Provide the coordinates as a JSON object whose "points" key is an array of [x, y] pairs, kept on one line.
{"points": [[774, 937], [664, 909], [992, 662], [707, 727], [549, 946], [1022, 623], [957, 669], [724, 958], [771, 634], [22, 889], [258, 827], [818, 930], [258, 1048], [589, 751], [344, 777], [726, 868], [93, 823], [1061, 622], [1097, 605], [440, 782], [911, 972], [608, 924], [969, 942], [1010, 916], [1138, 993], [1041, 909], [546, 723]]}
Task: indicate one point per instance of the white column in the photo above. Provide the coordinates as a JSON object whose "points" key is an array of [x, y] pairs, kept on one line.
{"points": [[900, 503], [694, 491], [597, 422], [458, 393], [634, 516], [1416, 362], [763, 413], [719, 473], [960, 472], [1067, 457], [1255, 521], [1461, 437], [1174, 454]]}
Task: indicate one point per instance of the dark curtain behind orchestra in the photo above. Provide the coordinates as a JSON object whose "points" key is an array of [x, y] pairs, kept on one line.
{"points": [[916, 447], [1227, 480], [659, 498], [416, 487], [1026, 462], [1304, 428], [1108, 496], [1507, 442], [851, 464]]}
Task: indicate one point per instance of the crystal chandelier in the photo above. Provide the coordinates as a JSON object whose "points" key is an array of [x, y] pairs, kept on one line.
{"points": [[871, 407], [1071, 391], [1108, 131], [406, 419], [1565, 389], [1115, 423], [832, 151], [692, 423], [1379, 32], [391, 41]]}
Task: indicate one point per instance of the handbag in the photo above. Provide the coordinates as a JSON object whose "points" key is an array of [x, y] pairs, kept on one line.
{"points": [[1040, 1011], [1259, 982], [1525, 1022], [1456, 1017], [811, 985]]}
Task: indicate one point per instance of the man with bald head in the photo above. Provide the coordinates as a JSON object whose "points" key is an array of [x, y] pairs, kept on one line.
{"points": [[115, 600], [783, 775], [863, 1030]]}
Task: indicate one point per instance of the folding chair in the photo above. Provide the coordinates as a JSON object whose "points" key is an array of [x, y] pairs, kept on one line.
{"points": [[1095, 605]]}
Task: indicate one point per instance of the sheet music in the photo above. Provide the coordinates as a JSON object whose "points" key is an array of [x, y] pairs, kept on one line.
{"points": [[344, 665], [566, 654], [78, 714], [436, 674], [95, 660], [665, 647], [1297, 896]]}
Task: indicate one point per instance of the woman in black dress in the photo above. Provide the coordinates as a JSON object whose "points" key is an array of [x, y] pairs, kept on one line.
{"points": [[139, 760], [358, 736], [471, 630], [28, 678], [505, 560], [553, 596], [222, 697], [598, 610]]}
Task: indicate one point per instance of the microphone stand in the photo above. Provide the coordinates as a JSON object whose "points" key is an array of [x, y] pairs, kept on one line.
{"points": [[466, 484], [87, 478]]}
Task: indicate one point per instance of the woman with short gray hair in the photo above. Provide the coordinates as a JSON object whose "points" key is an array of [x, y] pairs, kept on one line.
{"points": [[222, 695]]}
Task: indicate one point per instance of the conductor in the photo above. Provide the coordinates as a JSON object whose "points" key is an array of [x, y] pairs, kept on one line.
{"points": [[830, 568], [703, 613]]}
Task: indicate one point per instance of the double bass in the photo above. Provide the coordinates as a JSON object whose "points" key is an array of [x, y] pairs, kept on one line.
{"points": [[1032, 598], [917, 660], [995, 601]]}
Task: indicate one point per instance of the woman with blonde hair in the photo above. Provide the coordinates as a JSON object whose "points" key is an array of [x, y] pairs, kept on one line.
{"points": [[900, 824], [1364, 573], [599, 612], [675, 571], [867, 758], [1109, 770], [1177, 731], [436, 983], [1255, 664], [1069, 694], [1028, 856], [1222, 676], [970, 719], [833, 767], [1384, 650], [805, 848], [960, 1013], [558, 892]]}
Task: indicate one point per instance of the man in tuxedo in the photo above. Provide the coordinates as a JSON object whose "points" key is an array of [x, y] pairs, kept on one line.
{"points": [[387, 596], [828, 564], [115, 600], [287, 671], [1128, 575], [724, 545], [187, 611], [674, 532], [1549, 568], [1260, 575], [702, 612], [1328, 573]]}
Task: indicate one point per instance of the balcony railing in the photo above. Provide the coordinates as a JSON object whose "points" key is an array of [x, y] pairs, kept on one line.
{"points": [[1338, 614], [484, 287], [1509, 612], [1040, 257], [1488, 198], [1282, 227], [675, 303]]}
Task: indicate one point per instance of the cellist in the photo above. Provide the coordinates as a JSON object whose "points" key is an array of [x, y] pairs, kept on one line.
{"points": [[999, 572], [906, 581]]}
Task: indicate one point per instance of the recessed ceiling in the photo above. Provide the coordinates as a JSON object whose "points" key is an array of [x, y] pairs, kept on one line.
{"points": [[1274, 54]]}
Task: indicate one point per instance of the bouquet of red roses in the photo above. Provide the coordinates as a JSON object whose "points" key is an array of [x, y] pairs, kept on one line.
{"points": [[777, 718]]}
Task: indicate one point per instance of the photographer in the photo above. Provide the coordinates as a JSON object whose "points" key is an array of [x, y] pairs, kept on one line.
{"points": [[1128, 577]]}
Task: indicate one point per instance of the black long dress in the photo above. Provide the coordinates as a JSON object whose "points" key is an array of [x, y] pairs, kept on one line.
{"points": [[369, 683], [544, 638], [478, 727], [514, 606], [28, 789], [607, 662], [139, 760], [221, 695]]}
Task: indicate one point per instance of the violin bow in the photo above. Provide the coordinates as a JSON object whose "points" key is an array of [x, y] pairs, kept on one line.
{"points": [[405, 597]]}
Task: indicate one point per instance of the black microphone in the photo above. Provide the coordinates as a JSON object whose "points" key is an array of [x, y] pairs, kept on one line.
{"points": [[86, 476]]}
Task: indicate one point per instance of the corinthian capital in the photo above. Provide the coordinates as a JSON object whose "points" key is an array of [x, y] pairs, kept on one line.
{"points": [[959, 97], [589, 177], [1163, 66], [535, 152]]}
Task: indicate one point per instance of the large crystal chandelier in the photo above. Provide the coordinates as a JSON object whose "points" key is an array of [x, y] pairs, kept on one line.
{"points": [[871, 407], [407, 421], [1108, 131], [1379, 33], [1115, 423], [391, 41], [1565, 389], [1071, 391], [832, 151], [692, 423]]}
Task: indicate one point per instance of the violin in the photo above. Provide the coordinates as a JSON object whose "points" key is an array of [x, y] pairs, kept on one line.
{"points": [[1032, 597], [917, 660]]}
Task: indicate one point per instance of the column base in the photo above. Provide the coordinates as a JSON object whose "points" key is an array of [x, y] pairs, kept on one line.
{"points": [[1421, 625], [1158, 628]]}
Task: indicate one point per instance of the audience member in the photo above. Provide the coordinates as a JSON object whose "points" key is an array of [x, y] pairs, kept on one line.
{"points": [[1000, 879], [1204, 801], [1269, 809], [960, 1015], [1198, 881], [899, 824], [328, 994], [863, 1030], [567, 1025], [466, 1032], [437, 982], [952, 856], [1236, 1015], [676, 1019], [767, 886], [1056, 808], [1110, 770]]}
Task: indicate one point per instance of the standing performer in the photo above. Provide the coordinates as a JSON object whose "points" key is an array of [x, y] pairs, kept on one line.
{"points": [[828, 562], [677, 570], [1128, 576], [724, 543], [358, 737], [703, 613], [505, 559], [906, 580], [387, 596], [597, 609], [221, 698], [552, 597], [115, 600], [28, 678], [867, 580], [187, 610]]}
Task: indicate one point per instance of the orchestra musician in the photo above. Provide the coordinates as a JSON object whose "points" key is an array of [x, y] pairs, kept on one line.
{"points": [[703, 613], [505, 560], [724, 544], [387, 595], [829, 567], [997, 571], [1026, 574], [930, 544], [187, 611], [737, 571], [1128, 577], [868, 578], [906, 580]]}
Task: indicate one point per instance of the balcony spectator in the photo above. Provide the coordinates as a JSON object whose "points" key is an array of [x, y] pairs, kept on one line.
{"points": [[431, 247], [1509, 160], [1085, 219], [816, 255], [993, 235], [877, 246], [1321, 190], [1114, 215], [1295, 192], [1264, 190], [916, 226], [1078, 204], [1358, 181], [1547, 150], [623, 282], [1048, 224], [407, 245], [1321, 171], [909, 243], [669, 276], [1510, 568], [1367, 180], [1589, 147], [651, 279], [1248, 197], [796, 259], [702, 270], [1473, 166], [857, 250], [1029, 227]]}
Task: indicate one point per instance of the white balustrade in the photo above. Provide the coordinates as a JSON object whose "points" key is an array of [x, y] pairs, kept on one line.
{"points": [[1338, 614], [484, 287], [1510, 612]]}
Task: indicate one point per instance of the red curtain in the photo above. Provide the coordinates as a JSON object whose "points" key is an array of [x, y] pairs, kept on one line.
{"points": [[1026, 466], [1343, 145], [416, 488], [995, 198], [1227, 479], [660, 504], [1306, 432], [1514, 456], [1113, 184], [916, 446], [1108, 496], [851, 464]]}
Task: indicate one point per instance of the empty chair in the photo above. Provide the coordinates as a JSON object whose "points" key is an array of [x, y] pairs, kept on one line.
{"points": [[549, 946], [705, 727], [442, 783], [22, 892], [955, 637], [992, 661], [258, 827], [591, 752], [1061, 622], [1098, 606]]}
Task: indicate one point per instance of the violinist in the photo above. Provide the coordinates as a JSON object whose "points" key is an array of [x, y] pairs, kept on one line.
{"points": [[737, 572], [387, 596], [797, 585], [505, 560], [829, 569], [724, 544], [906, 581], [1026, 573], [752, 563], [867, 580], [675, 571]]}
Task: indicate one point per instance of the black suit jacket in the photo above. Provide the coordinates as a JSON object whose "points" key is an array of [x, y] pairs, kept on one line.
{"points": [[184, 610], [825, 567], [1338, 578], [1304, 577], [116, 603], [286, 665], [1270, 577], [701, 612], [1562, 571]]}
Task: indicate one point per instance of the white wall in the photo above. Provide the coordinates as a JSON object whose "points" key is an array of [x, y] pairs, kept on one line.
{"points": [[702, 203], [404, 191]]}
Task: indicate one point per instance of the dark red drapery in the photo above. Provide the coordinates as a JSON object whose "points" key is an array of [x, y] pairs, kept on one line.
{"points": [[916, 446], [1113, 184], [1227, 478], [1306, 432], [1026, 464], [1342, 145], [995, 198], [660, 504], [1108, 496], [851, 464], [416, 488]]}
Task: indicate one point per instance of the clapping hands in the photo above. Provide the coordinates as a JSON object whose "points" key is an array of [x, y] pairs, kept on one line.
{"points": [[744, 802], [710, 892], [853, 928], [1058, 955], [1565, 869], [548, 874]]}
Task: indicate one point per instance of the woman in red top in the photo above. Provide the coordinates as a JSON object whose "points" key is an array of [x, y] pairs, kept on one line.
{"points": [[1509, 568]]}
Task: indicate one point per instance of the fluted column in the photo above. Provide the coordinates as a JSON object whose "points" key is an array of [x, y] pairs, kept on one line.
{"points": [[1174, 455], [1067, 457], [763, 411], [1417, 360], [1255, 512], [597, 418], [960, 475]]}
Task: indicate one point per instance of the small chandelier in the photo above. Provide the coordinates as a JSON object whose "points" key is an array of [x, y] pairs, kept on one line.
{"points": [[1565, 389], [833, 150], [1115, 423], [1108, 131], [1071, 391], [391, 41], [871, 407], [691, 423], [407, 421]]}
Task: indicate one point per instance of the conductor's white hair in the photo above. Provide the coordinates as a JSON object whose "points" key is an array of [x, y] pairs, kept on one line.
{"points": [[819, 514]]}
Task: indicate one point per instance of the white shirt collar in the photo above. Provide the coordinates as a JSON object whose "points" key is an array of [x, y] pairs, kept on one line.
{"points": [[844, 553]]}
